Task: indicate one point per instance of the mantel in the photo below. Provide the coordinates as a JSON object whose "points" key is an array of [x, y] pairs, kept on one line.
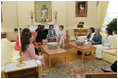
{"points": [[33, 27]]}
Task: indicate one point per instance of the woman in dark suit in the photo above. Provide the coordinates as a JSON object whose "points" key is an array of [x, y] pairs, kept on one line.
{"points": [[37, 28], [41, 34], [112, 68]]}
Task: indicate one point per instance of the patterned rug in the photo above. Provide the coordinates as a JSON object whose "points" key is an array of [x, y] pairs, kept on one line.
{"points": [[76, 69]]}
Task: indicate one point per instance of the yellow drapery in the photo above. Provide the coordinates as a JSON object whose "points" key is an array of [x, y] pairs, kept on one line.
{"points": [[102, 9]]}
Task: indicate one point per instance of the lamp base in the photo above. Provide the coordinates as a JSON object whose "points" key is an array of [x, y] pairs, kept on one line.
{"points": [[21, 64]]}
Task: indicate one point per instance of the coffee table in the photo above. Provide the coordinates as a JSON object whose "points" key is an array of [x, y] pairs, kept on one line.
{"points": [[84, 48], [53, 52]]}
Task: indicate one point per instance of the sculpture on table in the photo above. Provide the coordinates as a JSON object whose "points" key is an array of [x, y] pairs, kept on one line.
{"points": [[44, 20], [31, 16]]}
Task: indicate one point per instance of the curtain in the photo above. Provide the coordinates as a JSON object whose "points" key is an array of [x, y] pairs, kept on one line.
{"points": [[102, 9]]}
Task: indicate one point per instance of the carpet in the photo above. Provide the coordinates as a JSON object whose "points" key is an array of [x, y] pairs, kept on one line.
{"points": [[76, 69]]}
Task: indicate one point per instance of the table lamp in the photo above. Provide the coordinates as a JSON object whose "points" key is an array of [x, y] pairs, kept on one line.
{"points": [[20, 63]]}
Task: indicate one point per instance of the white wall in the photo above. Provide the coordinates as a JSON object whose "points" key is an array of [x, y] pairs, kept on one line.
{"points": [[9, 14], [25, 6], [23, 12], [65, 10], [90, 20]]}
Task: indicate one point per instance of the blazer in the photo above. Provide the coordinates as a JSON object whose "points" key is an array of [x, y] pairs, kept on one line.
{"points": [[109, 41], [40, 36], [51, 34], [90, 36], [97, 38]]}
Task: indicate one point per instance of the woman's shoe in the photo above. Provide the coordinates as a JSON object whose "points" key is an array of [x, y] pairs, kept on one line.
{"points": [[98, 58], [105, 70], [88, 54]]}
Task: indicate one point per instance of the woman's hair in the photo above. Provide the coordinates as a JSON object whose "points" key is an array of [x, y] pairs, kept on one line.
{"points": [[25, 30], [41, 27], [25, 40], [61, 26], [51, 26], [92, 29], [110, 31]]}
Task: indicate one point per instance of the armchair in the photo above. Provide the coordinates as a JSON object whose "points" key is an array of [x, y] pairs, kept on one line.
{"points": [[8, 55]]}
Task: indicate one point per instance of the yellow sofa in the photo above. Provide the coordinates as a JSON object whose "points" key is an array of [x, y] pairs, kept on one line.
{"points": [[109, 55], [8, 55]]}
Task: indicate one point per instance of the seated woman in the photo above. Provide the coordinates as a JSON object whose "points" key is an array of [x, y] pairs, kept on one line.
{"points": [[52, 33], [28, 51], [107, 44], [41, 34], [37, 28], [25, 30], [88, 38], [61, 34], [17, 40], [91, 34], [97, 38]]}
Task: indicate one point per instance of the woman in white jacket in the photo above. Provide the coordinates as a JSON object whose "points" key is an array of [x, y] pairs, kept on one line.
{"points": [[61, 34], [107, 44]]}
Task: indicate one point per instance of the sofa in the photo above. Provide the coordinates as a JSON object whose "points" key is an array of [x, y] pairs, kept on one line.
{"points": [[109, 55], [9, 55]]}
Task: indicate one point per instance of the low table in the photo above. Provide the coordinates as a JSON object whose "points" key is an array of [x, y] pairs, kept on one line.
{"points": [[53, 52], [84, 48]]}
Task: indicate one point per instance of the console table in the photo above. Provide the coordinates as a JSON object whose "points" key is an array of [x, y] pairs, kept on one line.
{"points": [[28, 71]]}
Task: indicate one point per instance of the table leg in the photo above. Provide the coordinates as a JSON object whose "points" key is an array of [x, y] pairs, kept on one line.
{"points": [[49, 61], [94, 54], [65, 58], [82, 57]]}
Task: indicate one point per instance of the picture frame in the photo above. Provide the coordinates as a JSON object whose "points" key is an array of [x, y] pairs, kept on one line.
{"points": [[81, 8], [43, 8]]}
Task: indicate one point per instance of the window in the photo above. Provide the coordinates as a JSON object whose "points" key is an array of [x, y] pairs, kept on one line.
{"points": [[110, 14]]}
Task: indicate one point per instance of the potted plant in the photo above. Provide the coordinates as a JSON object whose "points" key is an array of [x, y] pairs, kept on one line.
{"points": [[113, 25]]}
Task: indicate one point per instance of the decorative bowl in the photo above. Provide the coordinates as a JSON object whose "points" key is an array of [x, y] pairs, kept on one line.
{"points": [[80, 42], [52, 45]]}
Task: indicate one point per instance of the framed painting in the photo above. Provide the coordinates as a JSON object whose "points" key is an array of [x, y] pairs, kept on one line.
{"points": [[43, 9], [81, 8]]}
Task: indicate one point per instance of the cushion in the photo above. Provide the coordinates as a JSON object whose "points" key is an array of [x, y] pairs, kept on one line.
{"points": [[81, 37], [6, 51], [72, 38], [34, 34], [115, 41], [110, 51], [71, 32], [109, 58], [15, 56]]}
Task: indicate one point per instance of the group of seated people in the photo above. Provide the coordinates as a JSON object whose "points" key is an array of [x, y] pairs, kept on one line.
{"points": [[29, 51], [52, 35], [94, 37]]}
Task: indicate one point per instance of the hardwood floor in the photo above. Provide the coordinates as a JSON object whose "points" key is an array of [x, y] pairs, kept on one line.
{"points": [[71, 56]]}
